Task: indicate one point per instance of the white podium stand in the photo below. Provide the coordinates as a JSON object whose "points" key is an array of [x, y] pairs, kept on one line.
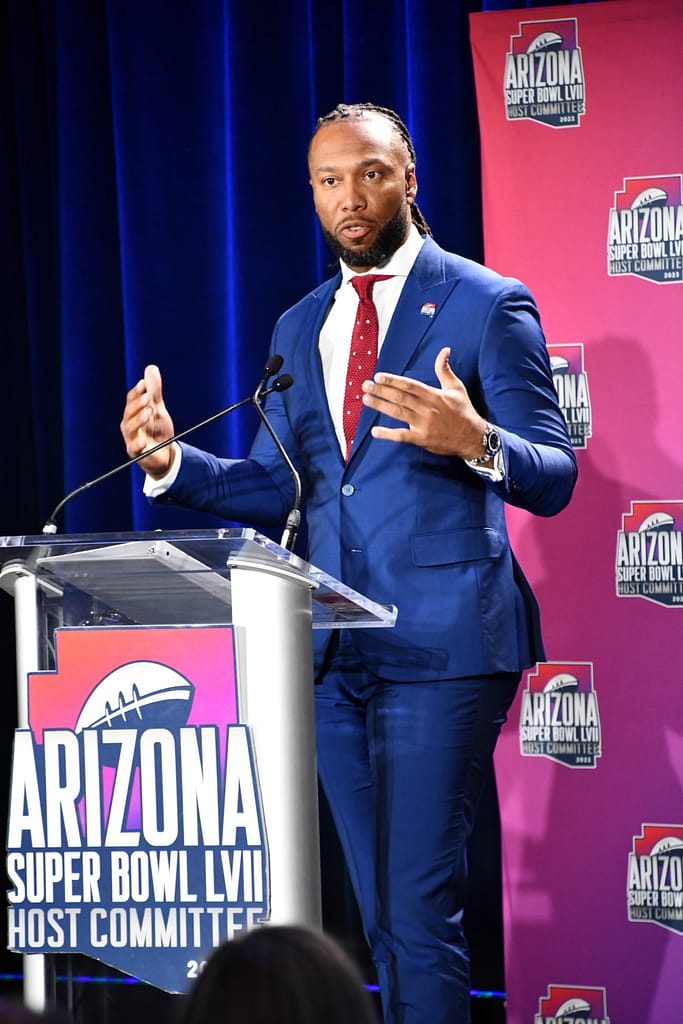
{"points": [[273, 600]]}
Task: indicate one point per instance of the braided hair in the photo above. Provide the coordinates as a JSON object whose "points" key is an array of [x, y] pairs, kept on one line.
{"points": [[344, 111]]}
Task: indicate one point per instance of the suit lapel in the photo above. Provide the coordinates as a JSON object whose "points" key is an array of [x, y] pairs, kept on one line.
{"points": [[424, 294], [322, 296], [316, 310]]}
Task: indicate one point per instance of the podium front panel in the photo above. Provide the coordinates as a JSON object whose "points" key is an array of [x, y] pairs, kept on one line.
{"points": [[164, 787]]}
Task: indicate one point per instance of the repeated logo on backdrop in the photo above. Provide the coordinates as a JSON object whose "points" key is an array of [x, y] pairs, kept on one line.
{"points": [[649, 560], [572, 1004], [571, 385], [655, 877], [618, 70], [645, 229], [559, 717], [543, 78]]}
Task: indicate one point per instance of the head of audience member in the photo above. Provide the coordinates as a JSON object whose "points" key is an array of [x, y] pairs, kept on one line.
{"points": [[13, 1011], [279, 975]]}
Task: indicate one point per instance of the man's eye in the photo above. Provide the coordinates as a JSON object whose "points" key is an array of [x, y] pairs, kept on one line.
{"points": [[372, 174], [329, 181]]}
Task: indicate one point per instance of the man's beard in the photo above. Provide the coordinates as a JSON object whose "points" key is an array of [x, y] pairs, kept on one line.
{"points": [[389, 238]]}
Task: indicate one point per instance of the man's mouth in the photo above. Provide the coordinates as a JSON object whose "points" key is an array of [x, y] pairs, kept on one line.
{"points": [[353, 230]]}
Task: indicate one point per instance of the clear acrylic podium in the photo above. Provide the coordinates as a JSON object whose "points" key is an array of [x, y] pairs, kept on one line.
{"points": [[272, 598]]}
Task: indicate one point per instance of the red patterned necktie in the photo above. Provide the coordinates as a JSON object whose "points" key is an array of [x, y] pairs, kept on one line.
{"points": [[362, 354]]}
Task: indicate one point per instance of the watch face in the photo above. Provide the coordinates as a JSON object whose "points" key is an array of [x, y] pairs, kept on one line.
{"points": [[492, 441]]}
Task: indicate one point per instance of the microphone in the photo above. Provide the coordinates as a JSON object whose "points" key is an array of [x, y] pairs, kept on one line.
{"points": [[273, 366], [280, 384], [294, 518]]}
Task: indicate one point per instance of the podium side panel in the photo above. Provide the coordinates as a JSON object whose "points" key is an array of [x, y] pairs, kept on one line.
{"points": [[273, 620], [27, 635]]}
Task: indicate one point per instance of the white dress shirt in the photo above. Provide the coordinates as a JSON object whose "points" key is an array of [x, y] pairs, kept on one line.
{"points": [[335, 337]]}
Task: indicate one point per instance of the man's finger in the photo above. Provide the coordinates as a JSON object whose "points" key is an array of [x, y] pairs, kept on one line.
{"points": [[398, 390], [393, 434], [153, 382], [393, 404], [442, 368], [405, 385]]}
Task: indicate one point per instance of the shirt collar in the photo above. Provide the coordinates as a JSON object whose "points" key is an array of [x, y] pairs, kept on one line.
{"points": [[399, 265]]}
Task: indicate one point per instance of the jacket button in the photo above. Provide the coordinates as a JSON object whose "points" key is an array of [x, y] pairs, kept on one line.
{"points": [[347, 490]]}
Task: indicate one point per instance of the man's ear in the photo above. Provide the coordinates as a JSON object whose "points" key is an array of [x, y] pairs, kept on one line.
{"points": [[411, 183]]}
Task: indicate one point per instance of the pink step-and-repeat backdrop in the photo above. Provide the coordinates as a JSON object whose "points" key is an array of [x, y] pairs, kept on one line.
{"points": [[581, 113]]}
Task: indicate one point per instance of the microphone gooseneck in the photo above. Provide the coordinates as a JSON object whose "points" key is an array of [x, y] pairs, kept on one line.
{"points": [[294, 518]]}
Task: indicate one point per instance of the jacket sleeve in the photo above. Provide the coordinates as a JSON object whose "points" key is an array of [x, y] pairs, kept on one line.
{"points": [[519, 397], [238, 489]]}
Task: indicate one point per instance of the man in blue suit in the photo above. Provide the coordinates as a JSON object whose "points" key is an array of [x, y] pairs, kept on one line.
{"points": [[459, 417]]}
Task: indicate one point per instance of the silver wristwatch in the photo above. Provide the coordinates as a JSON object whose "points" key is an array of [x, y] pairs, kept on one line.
{"points": [[490, 444]]}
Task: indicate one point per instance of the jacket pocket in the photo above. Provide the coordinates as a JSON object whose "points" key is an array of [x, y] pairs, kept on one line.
{"points": [[452, 546]]}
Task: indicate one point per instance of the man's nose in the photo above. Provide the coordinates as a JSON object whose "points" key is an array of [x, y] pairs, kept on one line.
{"points": [[352, 196]]}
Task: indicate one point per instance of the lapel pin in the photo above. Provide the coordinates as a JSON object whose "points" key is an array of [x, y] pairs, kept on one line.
{"points": [[428, 309]]}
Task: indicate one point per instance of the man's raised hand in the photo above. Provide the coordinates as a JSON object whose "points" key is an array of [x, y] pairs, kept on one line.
{"points": [[146, 422], [440, 419]]}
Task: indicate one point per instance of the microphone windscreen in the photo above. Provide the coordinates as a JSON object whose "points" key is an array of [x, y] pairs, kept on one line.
{"points": [[273, 365], [283, 382]]}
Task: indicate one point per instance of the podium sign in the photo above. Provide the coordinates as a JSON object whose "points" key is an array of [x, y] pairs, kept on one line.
{"points": [[163, 793]]}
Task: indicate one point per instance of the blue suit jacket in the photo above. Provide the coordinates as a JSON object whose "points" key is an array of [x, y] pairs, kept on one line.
{"points": [[397, 523]]}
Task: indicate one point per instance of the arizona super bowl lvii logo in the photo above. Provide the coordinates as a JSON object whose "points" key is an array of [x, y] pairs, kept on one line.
{"points": [[655, 877], [572, 1004], [559, 717], [649, 560], [645, 231], [571, 385], [135, 829], [543, 78]]}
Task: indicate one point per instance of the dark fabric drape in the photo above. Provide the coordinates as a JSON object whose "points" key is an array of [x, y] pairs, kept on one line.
{"points": [[155, 208]]}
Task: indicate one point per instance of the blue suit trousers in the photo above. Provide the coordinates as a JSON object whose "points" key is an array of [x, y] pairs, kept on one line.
{"points": [[402, 766]]}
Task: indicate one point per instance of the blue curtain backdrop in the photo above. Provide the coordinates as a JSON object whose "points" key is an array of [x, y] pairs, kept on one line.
{"points": [[155, 208]]}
